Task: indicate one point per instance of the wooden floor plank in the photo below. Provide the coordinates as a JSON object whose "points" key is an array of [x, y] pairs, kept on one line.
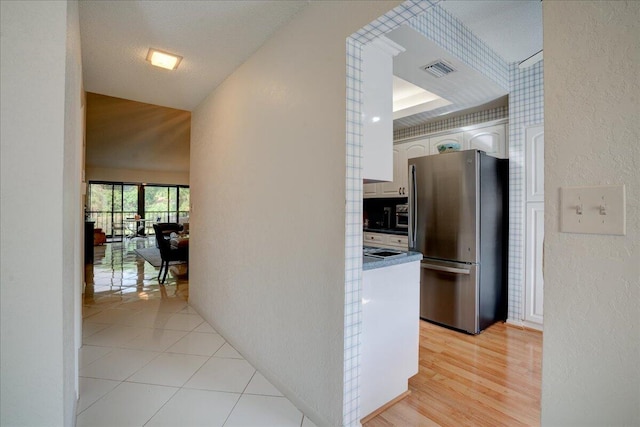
{"points": [[490, 379]]}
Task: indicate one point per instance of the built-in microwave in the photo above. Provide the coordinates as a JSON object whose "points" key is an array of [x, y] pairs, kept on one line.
{"points": [[402, 216]]}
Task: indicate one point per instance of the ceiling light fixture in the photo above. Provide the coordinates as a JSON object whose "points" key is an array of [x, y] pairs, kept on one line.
{"points": [[163, 59]]}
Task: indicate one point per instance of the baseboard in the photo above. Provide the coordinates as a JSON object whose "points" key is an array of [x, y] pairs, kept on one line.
{"points": [[384, 407], [522, 324]]}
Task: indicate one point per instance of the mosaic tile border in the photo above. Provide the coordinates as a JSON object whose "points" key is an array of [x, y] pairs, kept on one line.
{"points": [[452, 123]]}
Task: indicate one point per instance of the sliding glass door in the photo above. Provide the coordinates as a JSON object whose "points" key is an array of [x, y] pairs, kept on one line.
{"points": [[109, 204]]}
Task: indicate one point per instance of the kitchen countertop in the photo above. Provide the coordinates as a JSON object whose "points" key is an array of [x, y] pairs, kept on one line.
{"points": [[399, 232], [370, 263]]}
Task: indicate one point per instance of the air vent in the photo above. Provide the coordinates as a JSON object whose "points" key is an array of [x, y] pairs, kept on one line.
{"points": [[439, 68]]}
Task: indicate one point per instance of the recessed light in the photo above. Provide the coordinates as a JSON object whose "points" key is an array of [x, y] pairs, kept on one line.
{"points": [[163, 59]]}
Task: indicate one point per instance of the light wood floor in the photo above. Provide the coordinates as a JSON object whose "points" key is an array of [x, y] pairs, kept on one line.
{"points": [[491, 379]]}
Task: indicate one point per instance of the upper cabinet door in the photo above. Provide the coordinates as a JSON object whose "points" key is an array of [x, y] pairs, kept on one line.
{"points": [[445, 139], [534, 141], [492, 140], [416, 149], [377, 108], [397, 187], [369, 190]]}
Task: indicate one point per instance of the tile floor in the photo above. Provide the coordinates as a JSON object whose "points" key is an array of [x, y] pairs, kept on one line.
{"points": [[148, 359]]}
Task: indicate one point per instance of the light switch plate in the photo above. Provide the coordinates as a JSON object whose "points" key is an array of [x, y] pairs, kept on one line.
{"points": [[593, 210]]}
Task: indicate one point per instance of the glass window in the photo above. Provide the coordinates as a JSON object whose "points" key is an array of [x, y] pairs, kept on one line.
{"points": [[156, 203], [183, 202], [110, 203]]}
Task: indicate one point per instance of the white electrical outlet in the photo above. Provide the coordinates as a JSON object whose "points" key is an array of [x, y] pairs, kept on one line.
{"points": [[593, 210]]}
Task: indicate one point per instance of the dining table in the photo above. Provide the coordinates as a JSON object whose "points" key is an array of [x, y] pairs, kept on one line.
{"points": [[131, 225]]}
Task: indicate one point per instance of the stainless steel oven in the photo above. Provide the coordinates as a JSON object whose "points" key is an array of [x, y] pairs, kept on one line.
{"points": [[402, 216]]}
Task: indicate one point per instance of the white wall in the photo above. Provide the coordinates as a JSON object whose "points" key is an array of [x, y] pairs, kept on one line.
{"points": [[40, 196], [73, 212], [591, 351], [268, 205]]}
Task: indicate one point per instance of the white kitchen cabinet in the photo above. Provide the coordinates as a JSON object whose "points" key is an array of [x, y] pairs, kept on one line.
{"points": [[444, 139], [412, 150], [417, 148], [397, 187], [384, 240], [492, 140], [369, 190], [390, 333], [397, 242], [534, 141], [373, 239], [377, 108], [534, 283]]}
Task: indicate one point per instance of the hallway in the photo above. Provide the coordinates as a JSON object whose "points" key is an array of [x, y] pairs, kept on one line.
{"points": [[149, 359]]}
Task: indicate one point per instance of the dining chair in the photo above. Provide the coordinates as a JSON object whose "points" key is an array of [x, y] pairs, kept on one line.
{"points": [[168, 253]]}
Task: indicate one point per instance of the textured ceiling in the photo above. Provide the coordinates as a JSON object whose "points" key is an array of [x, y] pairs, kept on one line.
{"points": [[513, 29], [214, 38]]}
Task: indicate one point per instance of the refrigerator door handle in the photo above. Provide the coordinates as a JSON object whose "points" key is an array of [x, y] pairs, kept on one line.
{"points": [[413, 206], [445, 269]]}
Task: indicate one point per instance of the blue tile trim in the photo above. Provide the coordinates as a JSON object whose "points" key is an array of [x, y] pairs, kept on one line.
{"points": [[353, 220], [526, 108]]}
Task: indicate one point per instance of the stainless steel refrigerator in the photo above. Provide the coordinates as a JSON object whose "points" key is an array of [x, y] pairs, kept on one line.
{"points": [[458, 220]]}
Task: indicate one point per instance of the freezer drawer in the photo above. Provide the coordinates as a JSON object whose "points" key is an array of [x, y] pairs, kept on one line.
{"points": [[449, 294]]}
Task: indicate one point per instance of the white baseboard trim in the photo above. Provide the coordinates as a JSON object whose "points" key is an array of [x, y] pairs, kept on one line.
{"points": [[525, 325]]}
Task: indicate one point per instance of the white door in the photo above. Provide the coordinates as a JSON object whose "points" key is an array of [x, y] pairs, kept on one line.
{"points": [[534, 283], [534, 141], [534, 197]]}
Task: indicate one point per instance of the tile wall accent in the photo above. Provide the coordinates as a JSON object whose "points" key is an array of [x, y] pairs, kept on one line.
{"points": [[436, 24], [392, 19], [353, 238], [452, 123], [353, 221], [526, 108]]}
